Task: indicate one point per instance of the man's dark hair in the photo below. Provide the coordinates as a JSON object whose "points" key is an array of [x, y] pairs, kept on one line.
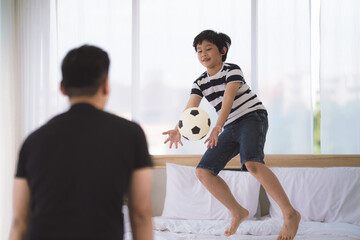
{"points": [[219, 39], [84, 69]]}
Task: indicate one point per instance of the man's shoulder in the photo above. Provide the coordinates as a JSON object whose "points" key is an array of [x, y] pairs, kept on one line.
{"points": [[128, 128], [44, 128], [121, 121], [41, 131]]}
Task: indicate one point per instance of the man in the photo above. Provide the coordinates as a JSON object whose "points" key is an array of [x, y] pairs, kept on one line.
{"points": [[74, 171]]}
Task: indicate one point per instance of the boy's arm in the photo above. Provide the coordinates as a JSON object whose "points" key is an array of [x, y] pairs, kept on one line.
{"points": [[140, 209], [174, 134], [227, 102], [194, 101], [21, 209]]}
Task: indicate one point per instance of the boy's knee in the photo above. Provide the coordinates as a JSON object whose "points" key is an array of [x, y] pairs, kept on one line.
{"points": [[202, 173], [252, 167]]}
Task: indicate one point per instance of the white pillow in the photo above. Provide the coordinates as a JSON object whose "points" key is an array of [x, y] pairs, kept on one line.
{"points": [[321, 194], [187, 198]]}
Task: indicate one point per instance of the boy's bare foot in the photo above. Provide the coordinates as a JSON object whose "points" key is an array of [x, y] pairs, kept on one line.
{"points": [[290, 227], [237, 217]]}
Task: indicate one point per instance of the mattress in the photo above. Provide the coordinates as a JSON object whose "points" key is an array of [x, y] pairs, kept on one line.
{"points": [[264, 229]]}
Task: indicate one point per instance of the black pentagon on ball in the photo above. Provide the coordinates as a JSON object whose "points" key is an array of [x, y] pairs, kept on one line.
{"points": [[195, 130], [194, 112], [185, 137], [209, 122], [180, 124]]}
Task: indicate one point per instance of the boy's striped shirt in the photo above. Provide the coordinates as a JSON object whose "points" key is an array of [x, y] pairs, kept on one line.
{"points": [[213, 88]]}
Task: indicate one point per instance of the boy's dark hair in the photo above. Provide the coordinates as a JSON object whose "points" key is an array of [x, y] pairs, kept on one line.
{"points": [[84, 69], [219, 39]]}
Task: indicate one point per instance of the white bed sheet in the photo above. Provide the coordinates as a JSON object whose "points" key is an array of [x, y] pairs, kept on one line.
{"points": [[264, 229]]}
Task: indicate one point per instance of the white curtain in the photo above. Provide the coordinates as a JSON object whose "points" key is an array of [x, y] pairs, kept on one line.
{"points": [[37, 65], [9, 109], [284, 74], [24, 93], [340, 76]]}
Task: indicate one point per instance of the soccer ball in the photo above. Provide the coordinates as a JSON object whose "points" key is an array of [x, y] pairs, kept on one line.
{"points": [[194, 124]]}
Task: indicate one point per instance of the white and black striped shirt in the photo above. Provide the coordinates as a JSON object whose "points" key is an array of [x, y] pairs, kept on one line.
{"points": [[213, 88]]}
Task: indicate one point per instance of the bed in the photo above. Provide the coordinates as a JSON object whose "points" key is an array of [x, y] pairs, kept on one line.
{"points": [[325, 189]]}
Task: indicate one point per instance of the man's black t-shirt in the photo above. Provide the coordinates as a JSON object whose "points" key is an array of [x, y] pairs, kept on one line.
{"points": [[78, 167]]}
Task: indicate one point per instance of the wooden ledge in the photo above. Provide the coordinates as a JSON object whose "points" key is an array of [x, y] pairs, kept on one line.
{"points": [[271, 160]]}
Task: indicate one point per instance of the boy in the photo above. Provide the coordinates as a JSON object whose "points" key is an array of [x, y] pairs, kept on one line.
{"points": [[242, 122], [74, 171]]}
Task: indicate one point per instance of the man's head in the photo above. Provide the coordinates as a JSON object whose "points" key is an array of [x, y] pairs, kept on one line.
{"points": [[84, 70], [221, 40]]}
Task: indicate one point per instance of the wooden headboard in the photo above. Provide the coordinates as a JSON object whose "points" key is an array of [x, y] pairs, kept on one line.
{"points": [[271, 160]]}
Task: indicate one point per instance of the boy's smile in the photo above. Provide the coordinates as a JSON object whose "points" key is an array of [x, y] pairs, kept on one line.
{"points": [[210, 56]]}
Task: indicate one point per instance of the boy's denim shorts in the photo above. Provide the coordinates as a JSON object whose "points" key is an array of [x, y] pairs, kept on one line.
{"points": [[245, 136]]}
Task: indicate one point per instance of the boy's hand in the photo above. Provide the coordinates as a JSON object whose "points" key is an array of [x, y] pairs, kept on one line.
{"points": [[174, 137], [213, 138]]}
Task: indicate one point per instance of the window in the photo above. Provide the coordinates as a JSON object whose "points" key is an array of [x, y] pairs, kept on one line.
{"points": [[169, 64], [340, 76], [284, 74], [153, 64]]}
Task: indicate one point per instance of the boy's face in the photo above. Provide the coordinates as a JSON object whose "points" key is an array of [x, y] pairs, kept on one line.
{"points": [[209, 55]]}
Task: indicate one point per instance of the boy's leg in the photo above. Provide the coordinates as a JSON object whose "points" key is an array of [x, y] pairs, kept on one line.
{"points": [[213, 161], [251, 134], [272, 186], [220, 190]]}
